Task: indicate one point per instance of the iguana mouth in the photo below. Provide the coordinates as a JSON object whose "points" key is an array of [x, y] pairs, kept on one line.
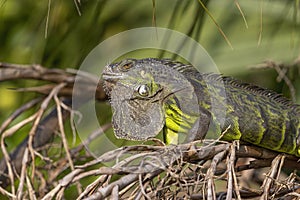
{"points": [[110, 74], [111, 78]]}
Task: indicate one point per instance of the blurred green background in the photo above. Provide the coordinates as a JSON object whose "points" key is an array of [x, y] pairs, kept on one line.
{"points": [[60, 34]]}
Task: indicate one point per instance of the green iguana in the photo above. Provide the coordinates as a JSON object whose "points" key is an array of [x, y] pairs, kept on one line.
{"points": [[150, 95]]}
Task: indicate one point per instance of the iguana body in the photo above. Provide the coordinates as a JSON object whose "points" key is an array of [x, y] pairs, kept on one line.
{"points": [[149, 95]]}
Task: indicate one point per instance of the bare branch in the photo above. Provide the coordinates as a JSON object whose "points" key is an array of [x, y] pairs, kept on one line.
{"points": [[37, 72]]}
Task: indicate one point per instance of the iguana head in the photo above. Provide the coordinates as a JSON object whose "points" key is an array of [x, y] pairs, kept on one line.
{"points": [[139, 91]]}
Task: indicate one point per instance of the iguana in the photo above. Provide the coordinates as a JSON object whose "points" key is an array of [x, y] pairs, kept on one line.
{"points": [[150, 95]]}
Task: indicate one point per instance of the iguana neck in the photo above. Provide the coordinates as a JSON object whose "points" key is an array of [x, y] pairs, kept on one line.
{"points": [[176, 121]]}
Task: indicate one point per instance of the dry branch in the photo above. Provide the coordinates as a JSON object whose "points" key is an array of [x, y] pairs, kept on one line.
{"points": [[143, 164], [44, 134], [282, 71], [44, 130], [55, 76]]}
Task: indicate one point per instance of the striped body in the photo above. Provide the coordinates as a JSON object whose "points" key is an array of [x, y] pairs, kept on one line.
{"points": [[260, 117], [252, 114]]}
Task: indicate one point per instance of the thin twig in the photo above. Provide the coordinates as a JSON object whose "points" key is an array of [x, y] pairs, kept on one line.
{"points": [[23, 175], [8, 133], [271, 176], [40, 113], [64, 139], [17, 113]]}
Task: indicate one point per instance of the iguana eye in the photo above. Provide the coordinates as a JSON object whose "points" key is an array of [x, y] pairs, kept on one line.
{"points": [[143, 90], [126, 65]]}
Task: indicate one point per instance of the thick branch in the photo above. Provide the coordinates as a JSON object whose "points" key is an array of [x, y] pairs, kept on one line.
{"points": [[87, 82]]}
